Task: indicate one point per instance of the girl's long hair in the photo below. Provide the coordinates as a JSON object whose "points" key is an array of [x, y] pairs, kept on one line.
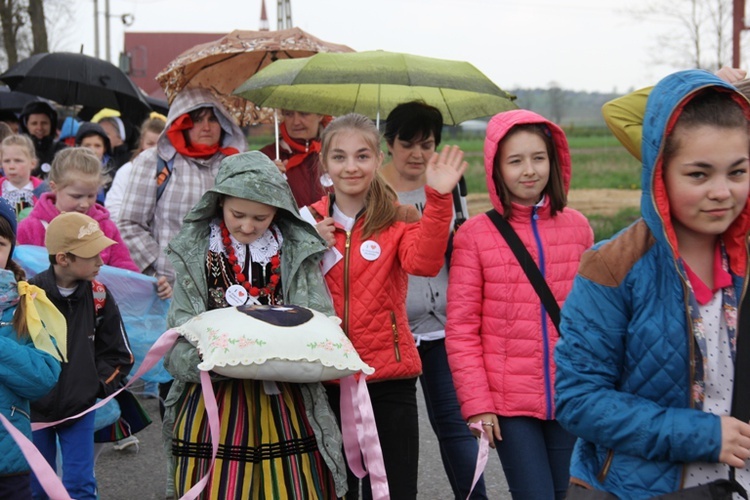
{"points": [[19, 317], [380, 201]]}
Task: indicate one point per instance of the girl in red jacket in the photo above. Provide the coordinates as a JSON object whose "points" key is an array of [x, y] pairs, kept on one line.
{"points": [[499, 338], [374, 244]]}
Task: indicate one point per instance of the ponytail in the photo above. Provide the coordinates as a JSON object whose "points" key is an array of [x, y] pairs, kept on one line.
{"points": [[380, 207]]}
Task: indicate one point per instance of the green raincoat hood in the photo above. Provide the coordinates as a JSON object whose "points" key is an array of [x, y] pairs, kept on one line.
{"points": [[253, 176]]}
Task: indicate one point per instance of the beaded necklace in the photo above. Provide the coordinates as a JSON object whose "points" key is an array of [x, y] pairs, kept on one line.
{"points": [[273, 281]]}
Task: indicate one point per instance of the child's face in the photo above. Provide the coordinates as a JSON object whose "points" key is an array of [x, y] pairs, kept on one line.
{"points": [[148, 139], [707, 180], [78, 195], [352, 163], [17, 165], [79, 268], [4, 252], [247, 220], [95, 143], [524, 167]]}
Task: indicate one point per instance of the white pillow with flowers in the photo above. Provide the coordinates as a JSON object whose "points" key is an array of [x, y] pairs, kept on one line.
{"points": [[275, 343]]}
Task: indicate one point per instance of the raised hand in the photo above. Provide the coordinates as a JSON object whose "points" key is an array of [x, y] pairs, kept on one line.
{"points": [[444, 170]]}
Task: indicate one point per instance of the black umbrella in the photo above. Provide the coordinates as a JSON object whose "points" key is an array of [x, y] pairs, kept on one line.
{"points": [[68, 78], [10, 100]]}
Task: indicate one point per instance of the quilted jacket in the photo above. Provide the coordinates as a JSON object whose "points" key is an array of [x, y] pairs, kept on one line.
{"points": [[26, 373], [499, 338], [624, 362], [370, 296]]}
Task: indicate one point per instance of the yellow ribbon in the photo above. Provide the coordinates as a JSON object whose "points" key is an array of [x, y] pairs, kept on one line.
{"points": [[47, 326]]}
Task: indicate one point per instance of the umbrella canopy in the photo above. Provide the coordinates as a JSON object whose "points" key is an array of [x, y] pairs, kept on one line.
{"points": [[10, 100], [373, 83], [69, 79], [224, 64]]}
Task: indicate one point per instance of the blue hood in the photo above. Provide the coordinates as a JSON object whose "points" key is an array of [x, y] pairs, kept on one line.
{"points": [[664, 105]]}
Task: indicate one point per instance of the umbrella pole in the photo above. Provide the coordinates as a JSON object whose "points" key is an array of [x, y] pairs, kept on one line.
{"points": [[276, 130]]}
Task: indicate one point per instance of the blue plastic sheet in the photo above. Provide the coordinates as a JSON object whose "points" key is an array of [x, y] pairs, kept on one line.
{"points": [[142, 311]]}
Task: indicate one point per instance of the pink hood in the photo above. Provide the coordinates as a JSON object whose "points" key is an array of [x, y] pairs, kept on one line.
{"points": [[32, 229], [498, 128]]}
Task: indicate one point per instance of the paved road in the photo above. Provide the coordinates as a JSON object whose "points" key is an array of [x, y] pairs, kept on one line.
{"points": [[126, 475]]}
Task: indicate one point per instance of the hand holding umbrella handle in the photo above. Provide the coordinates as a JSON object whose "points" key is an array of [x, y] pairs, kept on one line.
{"points": [[445, 169]]}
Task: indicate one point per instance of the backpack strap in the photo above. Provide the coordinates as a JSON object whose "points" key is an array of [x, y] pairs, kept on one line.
{"points": [[100, 299], [163, 173]]}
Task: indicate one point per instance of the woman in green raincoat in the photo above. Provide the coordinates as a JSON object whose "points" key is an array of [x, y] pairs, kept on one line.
{"points": [[246, 233]]}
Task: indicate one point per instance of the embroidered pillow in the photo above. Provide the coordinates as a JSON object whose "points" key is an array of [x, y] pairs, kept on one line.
{"points": [[278, 343]]}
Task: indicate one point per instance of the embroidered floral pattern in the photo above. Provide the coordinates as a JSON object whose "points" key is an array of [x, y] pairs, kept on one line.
{"points": [[329, 345], [218, 340]]}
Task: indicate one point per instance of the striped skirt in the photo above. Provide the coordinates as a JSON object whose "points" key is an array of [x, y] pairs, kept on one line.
{"points": [[267, 449]]}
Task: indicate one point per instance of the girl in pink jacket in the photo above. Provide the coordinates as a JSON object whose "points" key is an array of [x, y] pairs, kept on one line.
{"points": [[499, 338], [74, 180]]}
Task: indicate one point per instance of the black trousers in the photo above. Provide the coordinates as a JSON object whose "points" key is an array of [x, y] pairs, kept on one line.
{"points": [[394, 404]]}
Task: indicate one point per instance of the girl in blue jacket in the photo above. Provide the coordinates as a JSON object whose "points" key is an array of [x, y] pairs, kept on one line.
{"points": [[645, 363], [26, 373]]}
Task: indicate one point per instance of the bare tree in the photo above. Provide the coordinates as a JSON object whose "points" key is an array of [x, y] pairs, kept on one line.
{"points": [[31, 27], [12, 21], [556, 102], [698, 35], [38, 26]]}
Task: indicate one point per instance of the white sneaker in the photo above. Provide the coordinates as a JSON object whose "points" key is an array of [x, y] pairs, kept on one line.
{"points": [[126, 443]]}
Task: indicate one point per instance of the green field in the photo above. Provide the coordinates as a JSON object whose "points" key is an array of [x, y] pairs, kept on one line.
{"points": [[599, 162]]}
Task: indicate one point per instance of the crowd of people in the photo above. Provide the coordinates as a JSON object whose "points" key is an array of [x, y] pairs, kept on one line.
{"points": [[596, 370]]}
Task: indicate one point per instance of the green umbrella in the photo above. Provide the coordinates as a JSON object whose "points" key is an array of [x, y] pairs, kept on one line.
{"points": [[373, 83]]}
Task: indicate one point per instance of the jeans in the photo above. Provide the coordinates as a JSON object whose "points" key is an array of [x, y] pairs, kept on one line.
{"points": [[458, 446], [77, 447], [535, 455], [394, 403]]}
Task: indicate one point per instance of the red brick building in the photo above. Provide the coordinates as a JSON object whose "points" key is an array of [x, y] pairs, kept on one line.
{"points": [[149, 53]]}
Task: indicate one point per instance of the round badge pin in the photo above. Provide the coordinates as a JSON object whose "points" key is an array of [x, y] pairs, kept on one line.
{"points": [[236, 295], [370, 250]]}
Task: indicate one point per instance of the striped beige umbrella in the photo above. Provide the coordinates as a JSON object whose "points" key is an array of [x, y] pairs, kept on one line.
{"points": [[222, 65]]}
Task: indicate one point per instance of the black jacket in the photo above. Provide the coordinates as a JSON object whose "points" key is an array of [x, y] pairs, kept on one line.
{"points": [[99, 355]]}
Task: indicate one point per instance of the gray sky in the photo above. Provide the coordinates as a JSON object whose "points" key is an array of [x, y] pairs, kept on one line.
{"points": [[591, 45]]}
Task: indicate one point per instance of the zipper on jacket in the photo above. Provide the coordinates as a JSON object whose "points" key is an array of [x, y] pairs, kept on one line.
{"points": [[605, 468], [14, 409], [545, 333], [395, 337], [347, 246]]}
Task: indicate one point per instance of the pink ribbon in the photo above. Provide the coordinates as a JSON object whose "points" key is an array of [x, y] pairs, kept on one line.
{"points": [[361, 441], [44, 473], [482, 454]]}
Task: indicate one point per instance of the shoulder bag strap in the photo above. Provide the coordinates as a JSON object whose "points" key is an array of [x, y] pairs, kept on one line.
{"points": [[741, 389], [528, 265]]}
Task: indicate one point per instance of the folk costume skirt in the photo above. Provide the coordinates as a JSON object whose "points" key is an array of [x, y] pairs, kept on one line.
{"points": [[267, 449]]}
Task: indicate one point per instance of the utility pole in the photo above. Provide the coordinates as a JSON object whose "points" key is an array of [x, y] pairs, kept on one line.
{"points": [[284, 14], [738, 25], [106, 30], [96, 28]]}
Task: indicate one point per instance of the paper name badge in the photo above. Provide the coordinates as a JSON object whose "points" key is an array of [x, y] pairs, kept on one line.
{"points": [[370, 250]]}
